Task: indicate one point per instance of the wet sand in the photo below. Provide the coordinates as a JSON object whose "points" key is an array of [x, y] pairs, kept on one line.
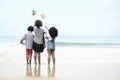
{"points": [[72, 63]]}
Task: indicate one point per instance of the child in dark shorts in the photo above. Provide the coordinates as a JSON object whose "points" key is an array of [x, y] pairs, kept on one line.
{"points": [[38, 41], [50, 36]]}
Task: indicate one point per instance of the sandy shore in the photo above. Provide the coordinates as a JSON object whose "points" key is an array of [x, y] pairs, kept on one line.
{"points": [[72, 63]]}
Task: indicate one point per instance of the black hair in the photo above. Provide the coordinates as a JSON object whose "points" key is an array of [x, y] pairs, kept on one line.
{"points": [[30, 28], [53, 32], [38, 23]]}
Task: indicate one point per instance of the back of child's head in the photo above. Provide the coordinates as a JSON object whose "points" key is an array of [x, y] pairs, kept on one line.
{"points": [[38, 23], [30, 28], [53, 32]]}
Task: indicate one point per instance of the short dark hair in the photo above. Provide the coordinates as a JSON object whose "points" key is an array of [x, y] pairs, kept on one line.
{"points": [[38, 23], [30, 28], [53, 32]]}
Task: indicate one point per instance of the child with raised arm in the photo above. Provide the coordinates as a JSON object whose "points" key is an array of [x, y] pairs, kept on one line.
{"points": [[51, 34], [28, 38]]}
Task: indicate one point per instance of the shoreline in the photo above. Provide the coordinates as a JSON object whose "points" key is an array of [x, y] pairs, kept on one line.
{"points": [[72, 63]]}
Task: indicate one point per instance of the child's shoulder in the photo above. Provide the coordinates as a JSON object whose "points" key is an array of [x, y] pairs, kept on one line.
{"points": [[42, 30]]}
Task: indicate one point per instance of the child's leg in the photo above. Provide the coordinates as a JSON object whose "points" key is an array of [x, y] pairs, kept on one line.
{"points": [[30, 55], [39, 58], [35, 55], [49, 56], [53, 56], [27, 52]]}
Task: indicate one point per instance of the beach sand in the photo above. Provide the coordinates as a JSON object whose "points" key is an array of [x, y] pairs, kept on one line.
{"points": [[72, 63]]}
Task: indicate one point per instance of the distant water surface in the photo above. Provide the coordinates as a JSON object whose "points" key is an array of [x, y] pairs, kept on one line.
{"points": [[73, 40]]}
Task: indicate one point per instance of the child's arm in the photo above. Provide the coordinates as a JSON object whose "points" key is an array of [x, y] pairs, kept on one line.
{"points": [[22, 40], [46, 28], [46, 33]]}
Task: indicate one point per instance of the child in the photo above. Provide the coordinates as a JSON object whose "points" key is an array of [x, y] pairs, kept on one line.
{"points": [[38, 43], [28, 38], [52, 34]]}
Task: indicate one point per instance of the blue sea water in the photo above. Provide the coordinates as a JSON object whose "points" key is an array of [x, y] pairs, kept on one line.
{"points": [[73, 40], [89, 39]]}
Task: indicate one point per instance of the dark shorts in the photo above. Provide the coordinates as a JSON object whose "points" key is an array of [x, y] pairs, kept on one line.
{"points": [[38, 47]]}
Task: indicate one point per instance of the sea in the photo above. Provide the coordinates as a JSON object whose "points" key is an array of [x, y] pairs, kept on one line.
{"points": [[73, 40]]}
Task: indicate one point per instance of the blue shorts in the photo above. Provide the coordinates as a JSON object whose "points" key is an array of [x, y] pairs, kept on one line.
{"points": [[51, 45]]}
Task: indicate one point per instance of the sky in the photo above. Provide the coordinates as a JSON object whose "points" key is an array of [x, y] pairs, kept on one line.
{"points": [[70, 17]]}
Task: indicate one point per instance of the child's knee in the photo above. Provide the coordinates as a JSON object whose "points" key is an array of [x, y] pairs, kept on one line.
{"points": [[49, 57]]}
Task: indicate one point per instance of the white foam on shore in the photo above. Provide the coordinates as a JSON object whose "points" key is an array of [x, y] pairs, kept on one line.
{"points": [[64, 55]]}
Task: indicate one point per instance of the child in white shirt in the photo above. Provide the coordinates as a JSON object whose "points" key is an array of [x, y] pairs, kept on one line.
{"points": [[28, 38]]}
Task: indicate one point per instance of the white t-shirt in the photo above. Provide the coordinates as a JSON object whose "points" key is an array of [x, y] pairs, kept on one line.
{"points": [[28, 37], [38, 35]]}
